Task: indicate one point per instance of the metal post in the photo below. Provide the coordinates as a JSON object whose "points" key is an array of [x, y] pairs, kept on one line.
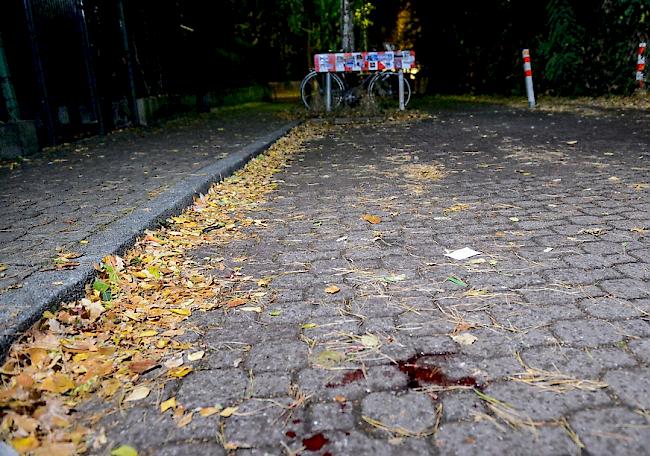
{"points": [[129, 63], [46, 112], [400, 81], [90, 73], [7, 87], [328, 92], [528, 73]]}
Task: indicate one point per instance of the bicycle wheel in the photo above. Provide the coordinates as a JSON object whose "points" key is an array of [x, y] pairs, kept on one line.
{"points": [[313, 91], [383, 90]]}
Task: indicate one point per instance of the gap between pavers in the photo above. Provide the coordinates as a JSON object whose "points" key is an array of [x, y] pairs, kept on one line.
{"points": [[21, 308]]}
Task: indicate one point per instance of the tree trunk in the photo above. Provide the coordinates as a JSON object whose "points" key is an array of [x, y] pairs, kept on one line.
{"points": [[347, 26]]}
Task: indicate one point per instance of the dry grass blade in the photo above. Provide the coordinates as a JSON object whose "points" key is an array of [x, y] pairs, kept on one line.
{"points": [[571, 433], [508, 414], [423, 172], [554, 381], [398, 430]]}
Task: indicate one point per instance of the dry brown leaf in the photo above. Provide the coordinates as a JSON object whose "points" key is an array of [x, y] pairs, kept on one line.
{"points": [[228, 411], [208, 411], [142, 365], [332, 289], [236, 302], [373, 219]]}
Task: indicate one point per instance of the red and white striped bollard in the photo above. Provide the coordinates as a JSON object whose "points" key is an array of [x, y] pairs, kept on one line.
{"points": [[528, 73], [640, 65]]}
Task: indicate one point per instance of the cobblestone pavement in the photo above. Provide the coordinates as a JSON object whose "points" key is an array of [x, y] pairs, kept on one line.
{"points": [[540, 345], [62, 198]]}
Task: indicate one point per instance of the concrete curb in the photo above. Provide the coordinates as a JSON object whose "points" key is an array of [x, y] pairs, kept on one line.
{"points": [[22, 307]]}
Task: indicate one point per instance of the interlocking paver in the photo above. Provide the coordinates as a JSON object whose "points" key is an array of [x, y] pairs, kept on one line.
{"points": [[560, 287]]}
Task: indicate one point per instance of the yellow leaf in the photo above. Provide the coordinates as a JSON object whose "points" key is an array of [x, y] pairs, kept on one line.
{"points": [[332, 289], [25, 444], [148, 333], [183, 312], [309, 326], [179, 372], [168, 404], [196, 355], [133, 316], [263, 283], [208, 411], [57, 383], [3, 267], [374, 219], [228, 411], [369, 341], [124, 450], [138, 393]]}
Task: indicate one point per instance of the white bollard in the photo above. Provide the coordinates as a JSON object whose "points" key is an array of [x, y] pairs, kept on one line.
{"points": [[528, 73], [640, 65], [400, 81]]}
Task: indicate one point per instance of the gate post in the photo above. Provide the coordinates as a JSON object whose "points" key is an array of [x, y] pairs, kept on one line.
{"points": [[528, 74], [7, 87]]}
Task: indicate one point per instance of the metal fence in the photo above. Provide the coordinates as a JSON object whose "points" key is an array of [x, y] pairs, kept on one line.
{"points": [[79, 65]]}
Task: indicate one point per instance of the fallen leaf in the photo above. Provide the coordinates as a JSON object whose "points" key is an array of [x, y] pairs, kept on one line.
{"points": [[142, 365], [513, 219], [25, 444], [208, 411], [329, 358], [309, 326], [639, 229], [251, 309], [572, 142], [462, 254], [235, 302], [176, 361], [57, 383], [196, 355], [275, 313], [183, 312], [373, 219], [185, 420], [340, 399], [228, 411], [456, 281], [124, 450], [370, 341], [168, 404], [3, 267], [179, 372], [464, 339], [148, 333], [138, 393], [332, 289]]}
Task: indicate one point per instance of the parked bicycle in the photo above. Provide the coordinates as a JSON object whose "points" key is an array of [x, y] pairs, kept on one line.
{"points": [[381, 88], [379, 74]]}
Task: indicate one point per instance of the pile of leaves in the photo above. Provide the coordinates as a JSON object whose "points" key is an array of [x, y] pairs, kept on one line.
{"points": [[131, 318]]}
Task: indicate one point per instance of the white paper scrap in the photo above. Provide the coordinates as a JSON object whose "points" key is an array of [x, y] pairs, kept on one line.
{"points": [[462, 254]]}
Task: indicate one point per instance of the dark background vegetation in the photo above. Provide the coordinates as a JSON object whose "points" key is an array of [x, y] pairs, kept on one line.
{"points": [[193, 47]]}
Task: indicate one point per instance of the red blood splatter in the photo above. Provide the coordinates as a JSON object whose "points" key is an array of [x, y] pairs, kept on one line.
{"points": [[423, 373], [290, 434], [315, 442], [296, 421], [349, 377]]}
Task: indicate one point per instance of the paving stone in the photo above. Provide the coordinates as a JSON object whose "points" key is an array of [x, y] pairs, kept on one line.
{"points": [[615, 430], [332, 416], [587, 333], [631, 386], [413, 412], [277, 356], [581, 363], [641, 349], [210, 387], [613, 308], [543, 405], [627, 288], [480, 438]]}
